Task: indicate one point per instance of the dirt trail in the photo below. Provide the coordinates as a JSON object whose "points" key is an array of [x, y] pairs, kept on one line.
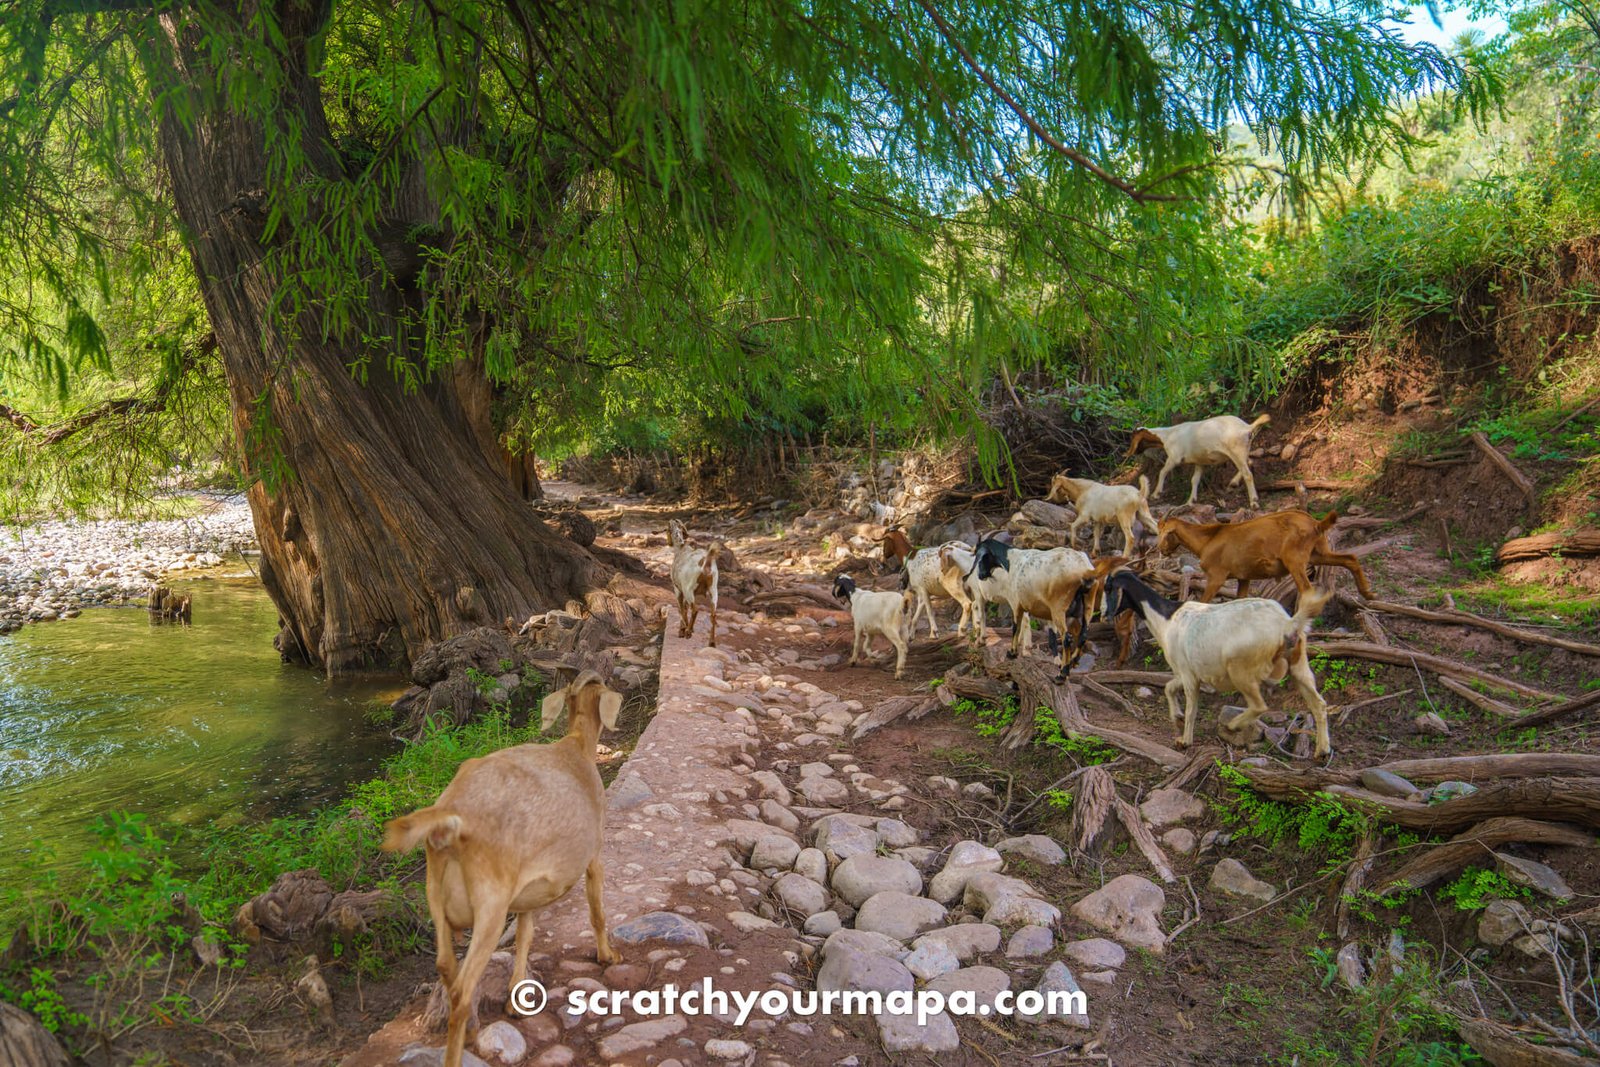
{"points": [[751, 741]]}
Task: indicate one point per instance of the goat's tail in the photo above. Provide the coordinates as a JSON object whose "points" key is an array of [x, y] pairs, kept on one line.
{"points": [[1312, 601], [440, 828], [1327, 521], [1261, 420], [1144, 488]]}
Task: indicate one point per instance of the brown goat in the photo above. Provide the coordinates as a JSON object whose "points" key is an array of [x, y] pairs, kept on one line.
{"points": [[511, 833], [896, 548], [1269, 546]]}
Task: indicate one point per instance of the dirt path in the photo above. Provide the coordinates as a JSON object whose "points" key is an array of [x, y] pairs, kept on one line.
{"points": [[752, 750]]}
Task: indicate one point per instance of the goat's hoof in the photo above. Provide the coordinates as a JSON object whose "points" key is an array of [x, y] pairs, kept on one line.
{"points": [[1011, 655]]}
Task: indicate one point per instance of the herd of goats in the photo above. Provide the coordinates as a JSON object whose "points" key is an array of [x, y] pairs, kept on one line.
{"points": [[516, 829], [1233, 646]]}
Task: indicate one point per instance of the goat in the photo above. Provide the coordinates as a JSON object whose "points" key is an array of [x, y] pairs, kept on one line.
{"points": [[511, 833], [875, 613], [927, 574], [1040, 583], [1268, 546], [896, 548], [1223, 439], [1233, 647], [694, 574], [1102, 505]]}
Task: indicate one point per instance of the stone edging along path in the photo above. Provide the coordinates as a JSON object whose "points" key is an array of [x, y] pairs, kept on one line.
{"points": [[669, 914]]}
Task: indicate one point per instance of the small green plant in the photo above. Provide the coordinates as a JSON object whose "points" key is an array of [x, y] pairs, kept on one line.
{"points": [[1323, 825], [1058, 800], [43, 1000], [1477, 887]]}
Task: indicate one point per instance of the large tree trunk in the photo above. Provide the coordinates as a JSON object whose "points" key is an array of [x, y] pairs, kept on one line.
{"points": [[393, 529]]}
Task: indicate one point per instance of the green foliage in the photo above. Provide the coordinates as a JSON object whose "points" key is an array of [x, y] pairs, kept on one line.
{"points": [[1322, 825], [42, 999], [1477, 886], [993, 720], [695, 225]]}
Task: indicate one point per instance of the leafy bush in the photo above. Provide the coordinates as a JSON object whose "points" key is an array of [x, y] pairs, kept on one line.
{"points": [[1477, 887]]}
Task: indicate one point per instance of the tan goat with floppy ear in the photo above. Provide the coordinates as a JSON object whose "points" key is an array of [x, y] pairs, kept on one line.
{"points": [[511, 833]]}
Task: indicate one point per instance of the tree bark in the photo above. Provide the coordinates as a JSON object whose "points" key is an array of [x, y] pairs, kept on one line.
{"points": [[394, 529]]}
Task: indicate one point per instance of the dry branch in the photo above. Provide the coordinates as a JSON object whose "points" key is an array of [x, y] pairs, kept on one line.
{"points": [[1560, 711], [1096, 797], [1437, 664], [1499, 460], [1353, 881], [1296, 484], [1477, 844], [1466, 618], [814, 593], [1504, 1047], [1132, 677], [1036, 688], [1472, 696], [1129, 817]]}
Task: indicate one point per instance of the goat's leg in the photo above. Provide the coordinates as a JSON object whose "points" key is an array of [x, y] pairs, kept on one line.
{"points": [[1126, 626], [1238, 729], [924, 607], [444, 937], [1214, 580], [1305, 683], [1191, 712], [1072, 531], [1171, 692], [1161, 479], [1349, 563], [855, 648], [898, 640], [519, 961], [1243, 463], [1194, 483], [593, 883], [1243, 589], [683, 617], [1126, 522], [487, 918]]}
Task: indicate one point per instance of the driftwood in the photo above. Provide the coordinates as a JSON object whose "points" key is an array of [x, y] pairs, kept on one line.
{"points": [[1466, 618], [1477, 845], [1437, 664], [163, 603], [914, 706], [1495, 456], [1472, 696], [1560, 711], [1575, 800], [1520, 549]]}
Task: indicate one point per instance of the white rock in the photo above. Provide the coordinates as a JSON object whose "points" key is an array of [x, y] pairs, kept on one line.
{"points": [[966, 940], [864, 876], [1234, 878], [901, 916], [930, 959], [966, 859], [1035, 848], [1129, 909], [1004, 901]]}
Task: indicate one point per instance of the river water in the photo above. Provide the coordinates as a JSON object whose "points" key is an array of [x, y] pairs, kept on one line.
{"points": [[188, 724]]}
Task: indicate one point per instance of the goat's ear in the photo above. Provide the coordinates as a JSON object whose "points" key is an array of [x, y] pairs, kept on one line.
{"points": [[610, 708], [550, 710]]}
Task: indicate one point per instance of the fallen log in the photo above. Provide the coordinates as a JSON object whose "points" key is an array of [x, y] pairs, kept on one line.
{"points": [[1128, 815], [814, 593], [1502, 1046], [1521, 549], [1354, 879], [1472, 696], [1437, 664], [1478, 844], [1574, 800], [1156, 678], [1036, 688], [1495, 765], [1466, 618], [1371, 627], [1364, 522], [1498, 458]]}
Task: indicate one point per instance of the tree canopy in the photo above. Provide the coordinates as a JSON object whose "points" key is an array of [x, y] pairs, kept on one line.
{"points": [[757, 214]]}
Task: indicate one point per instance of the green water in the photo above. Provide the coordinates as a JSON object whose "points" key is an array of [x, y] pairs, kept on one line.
{"points": [[191, 725]]}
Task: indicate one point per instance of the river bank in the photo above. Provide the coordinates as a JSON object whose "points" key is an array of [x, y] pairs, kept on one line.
{"points": [[52, 570]]}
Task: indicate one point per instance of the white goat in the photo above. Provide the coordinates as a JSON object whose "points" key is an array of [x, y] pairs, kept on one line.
{"points": [[511, 833], [1233, 647], [694, 575], [928, 575], [875, 613], [1037, 583], [1223, 439], [1103, 505]]}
